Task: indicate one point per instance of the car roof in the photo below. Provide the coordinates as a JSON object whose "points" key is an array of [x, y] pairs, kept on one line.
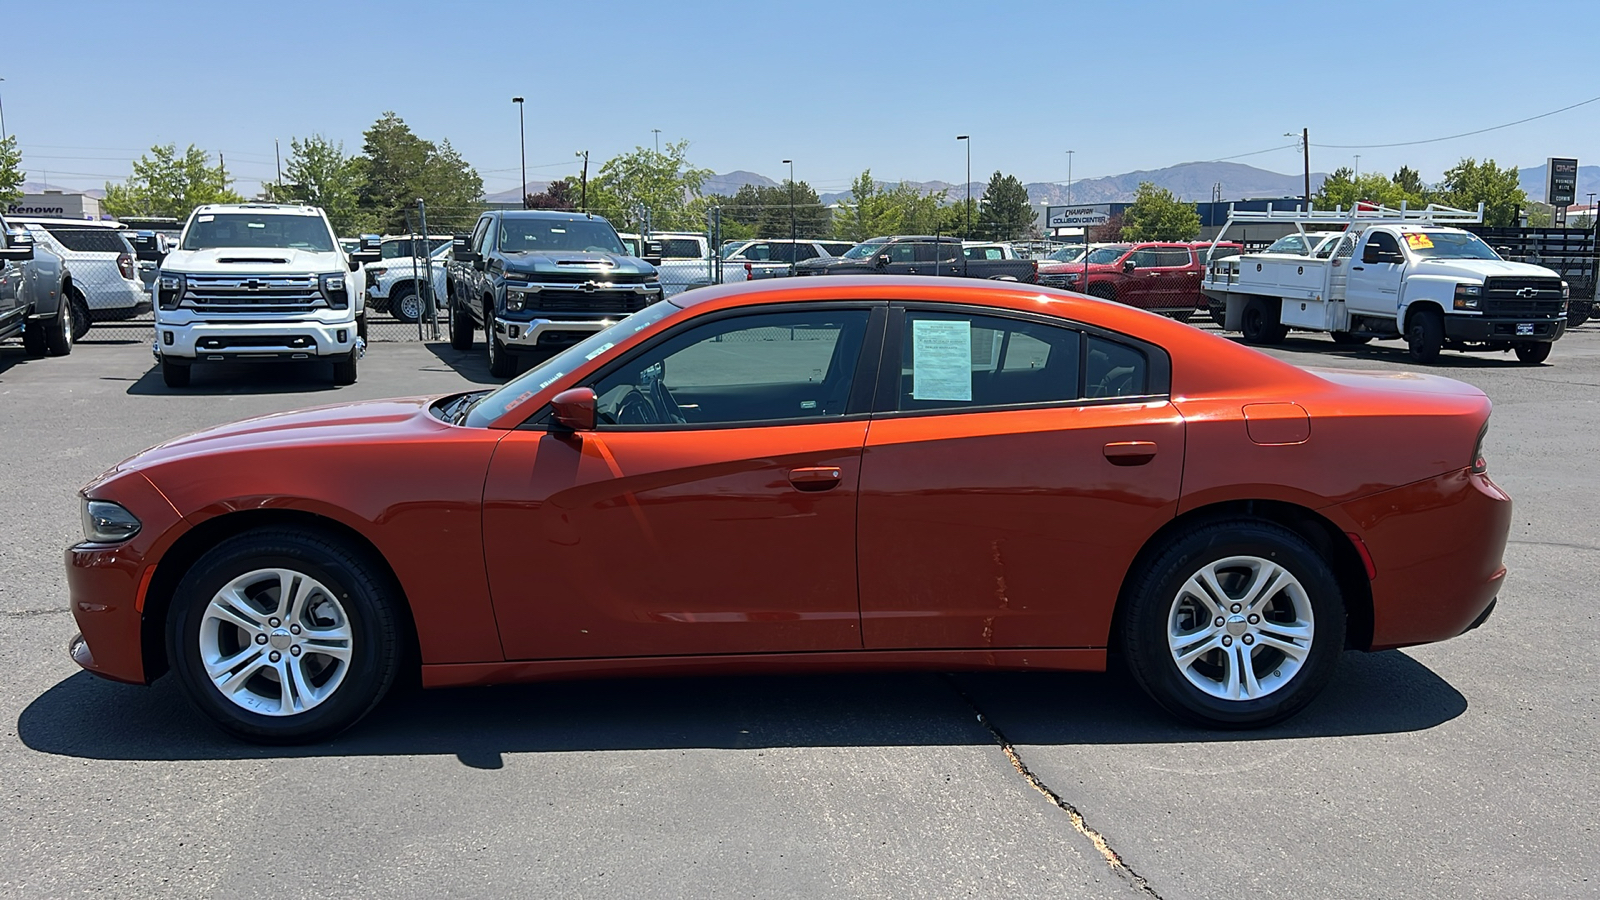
{"points": [[285, 209], [75, 223], [563, 215]]}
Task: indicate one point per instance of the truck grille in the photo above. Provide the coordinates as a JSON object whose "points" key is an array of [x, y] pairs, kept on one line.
{"points": [[252, 293], [580, 277], [1532, 297], [591, 301]]}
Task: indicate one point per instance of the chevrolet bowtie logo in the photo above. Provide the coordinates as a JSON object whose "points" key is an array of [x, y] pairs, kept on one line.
{"points": [[252, 285], [1528, 292], [589, 287]]}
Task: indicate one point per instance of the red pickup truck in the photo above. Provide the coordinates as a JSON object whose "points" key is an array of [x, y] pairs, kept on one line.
{"points": [[1162, 277]]}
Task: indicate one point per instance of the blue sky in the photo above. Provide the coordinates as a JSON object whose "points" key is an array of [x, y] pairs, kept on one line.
{"points": [[838, 87]]}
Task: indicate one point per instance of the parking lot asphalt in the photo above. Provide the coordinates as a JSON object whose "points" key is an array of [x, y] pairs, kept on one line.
{"points": [[1463, 769]]}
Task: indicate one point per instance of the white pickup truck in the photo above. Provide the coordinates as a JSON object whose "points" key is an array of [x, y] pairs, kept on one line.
{"points": [[258, 281], [1394, 273], [392, 283]]}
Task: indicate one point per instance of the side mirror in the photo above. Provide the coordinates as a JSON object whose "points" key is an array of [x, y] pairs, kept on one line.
{"points": [[147, 247], [364, 256], [652, 252], [461, 246], [573, 409], [1376, 256], [18, 247], [882, 261], [1129, 265]]}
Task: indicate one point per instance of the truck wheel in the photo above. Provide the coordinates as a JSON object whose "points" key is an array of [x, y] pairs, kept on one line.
{"points": [[81, 319], [502, 362], [33, 340], [175, 374], [1261, 325], [1578, 312], [460, 328], [1425, 335], [405, 305], [1532, 354], [1349, 339], [59, 332], [344, 369]]}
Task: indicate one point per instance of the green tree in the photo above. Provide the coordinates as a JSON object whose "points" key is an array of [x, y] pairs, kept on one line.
{"points": [[165, 183], [960, 219], [559, 194], [660, 182], [11, 174], [1410, 181], [320, 174], [763, 211], [1156, 214], [868, 213], [1469, 182], [1343, 189], [1007, 212], [397, 168]]}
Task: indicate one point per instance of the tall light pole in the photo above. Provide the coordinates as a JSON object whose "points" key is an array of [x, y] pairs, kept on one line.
{"points": [[1358, 165], [793, 232], [3, 134], [657, 133], [522, 142], [1069, 176], [968, 139]]}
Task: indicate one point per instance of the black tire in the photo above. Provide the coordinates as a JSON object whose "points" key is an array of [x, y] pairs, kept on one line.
{"points": [[176, 374], [1579, 312], [1260, 323], [1425, 335], [1156, 601], [33, 338], [60, 331], [502, 362], [400, 298], [1532, 354], [1350, 340], [1218, 316], [344, 369], [1181, 315], [460, 328], [361, 325], [81, 318], [1103, 291], [362, 596]]}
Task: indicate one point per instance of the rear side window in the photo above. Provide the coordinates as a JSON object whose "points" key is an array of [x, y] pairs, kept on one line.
{"points": [[1115, 370], [957, 361], [680, 248], [90, 240], [1171, 257]]}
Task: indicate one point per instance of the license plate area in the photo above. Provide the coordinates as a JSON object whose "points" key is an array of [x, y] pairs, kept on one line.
{"points": [[1524, 328]]}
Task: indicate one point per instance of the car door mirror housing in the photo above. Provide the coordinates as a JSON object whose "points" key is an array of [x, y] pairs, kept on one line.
{"points": [[17, 246], [1129, 265], [882, 261], [573, 409]]}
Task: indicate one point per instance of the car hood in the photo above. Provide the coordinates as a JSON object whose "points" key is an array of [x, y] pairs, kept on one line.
{"points": [[1479, 269], [600, 265], [252, 261], [369, 420]]}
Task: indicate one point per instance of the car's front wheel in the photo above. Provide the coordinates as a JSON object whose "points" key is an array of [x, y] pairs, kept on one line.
{"points": [[1234, 624], [1532, 354], [284, 636]]}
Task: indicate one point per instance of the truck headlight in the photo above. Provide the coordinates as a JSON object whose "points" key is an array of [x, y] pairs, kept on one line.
{"points": [[333, 288], [514, 300], [105, 522], [1566, 291], [1468, 296], [169, 290]]}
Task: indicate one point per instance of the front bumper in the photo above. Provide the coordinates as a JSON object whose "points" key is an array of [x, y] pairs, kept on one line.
{"points": [[529, 332], [242, 341], [1438, 548], [1477, 329]]}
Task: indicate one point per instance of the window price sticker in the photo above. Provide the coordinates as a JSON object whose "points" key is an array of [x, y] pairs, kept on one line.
{"points": [[1416, 240]]}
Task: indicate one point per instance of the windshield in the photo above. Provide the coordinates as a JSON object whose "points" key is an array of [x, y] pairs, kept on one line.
{"points": [[1104, 256], [517, 391], [519, 235], [401, 249], [862, 251], [246, 229], [730, 250], [1067, 254], [1448, 245]]}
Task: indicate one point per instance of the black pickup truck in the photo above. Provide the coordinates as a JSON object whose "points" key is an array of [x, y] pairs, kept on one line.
{"points": [[918, 255], [537, 281], [34, 291]]}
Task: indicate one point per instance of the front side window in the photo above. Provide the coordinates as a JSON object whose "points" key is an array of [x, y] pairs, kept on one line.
{"points": [[770, 367], [478, 235], [903, 252], [864, 250], [1383, 242], [1143, 259], [276, 231], [959, 361]]}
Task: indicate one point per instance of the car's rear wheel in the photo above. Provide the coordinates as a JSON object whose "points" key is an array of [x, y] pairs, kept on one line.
{"points": [[1425, 335], [1532, 354], [404, 304], [284, 636], [176, 374], [81, 319], [61, 331], [1260, 323], [1234, 624], [1350, 339]]}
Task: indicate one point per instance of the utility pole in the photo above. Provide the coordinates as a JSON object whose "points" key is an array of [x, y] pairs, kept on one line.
{"points": [[968, 139], [3, 134], [522, 143], [1358, 165], [277, 159], [1069, 176], [1305, 148], [793, 232], [583, 191], [657, 133]]}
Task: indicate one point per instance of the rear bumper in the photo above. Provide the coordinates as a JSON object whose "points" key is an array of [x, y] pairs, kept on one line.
{"points": [[1474, 329], [1438, 547]]}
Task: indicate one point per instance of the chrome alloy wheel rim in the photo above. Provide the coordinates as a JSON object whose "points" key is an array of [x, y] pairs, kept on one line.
{"points": [[276, 642], [1240, 628], [411, 306]]}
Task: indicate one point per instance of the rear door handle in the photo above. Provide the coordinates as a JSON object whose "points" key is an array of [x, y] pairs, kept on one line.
{"points": [[815, 478], [1130, 453]]}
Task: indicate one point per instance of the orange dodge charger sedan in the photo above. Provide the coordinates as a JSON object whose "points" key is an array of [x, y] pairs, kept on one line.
{"points": [[805, 475]]}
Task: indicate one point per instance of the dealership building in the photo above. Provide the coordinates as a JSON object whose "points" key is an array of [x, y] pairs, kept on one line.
{"points": [[57, 204]]}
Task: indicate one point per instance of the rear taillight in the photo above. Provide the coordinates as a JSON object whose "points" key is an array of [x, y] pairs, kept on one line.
{"points": [[1479, 464], [125, 266]]}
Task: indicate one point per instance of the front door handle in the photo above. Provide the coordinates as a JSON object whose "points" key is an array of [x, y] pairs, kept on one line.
{"points": [[1358, 268], [815, 478], [1130, 453]]}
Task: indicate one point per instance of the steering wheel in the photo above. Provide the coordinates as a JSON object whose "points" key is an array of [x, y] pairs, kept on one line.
{"points": [[636, 409]]}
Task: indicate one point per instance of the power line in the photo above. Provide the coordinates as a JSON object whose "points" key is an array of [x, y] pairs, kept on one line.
{"points": [[1452, 137]]}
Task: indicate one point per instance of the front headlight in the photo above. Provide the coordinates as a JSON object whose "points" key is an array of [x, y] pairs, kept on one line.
{"points": [[1566, 291], [376, 271], [514, 301], [1468, 296], [169, 291], [105, 522], [333, 288]]}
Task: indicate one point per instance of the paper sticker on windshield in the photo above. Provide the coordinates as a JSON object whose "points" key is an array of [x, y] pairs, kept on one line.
{"points": [[207, 218], [1416, 240], [941, 360], [551, 380], [518, 400], [600, 349]]}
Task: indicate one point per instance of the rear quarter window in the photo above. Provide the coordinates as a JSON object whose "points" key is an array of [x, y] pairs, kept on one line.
{"points": [[91, 240]]}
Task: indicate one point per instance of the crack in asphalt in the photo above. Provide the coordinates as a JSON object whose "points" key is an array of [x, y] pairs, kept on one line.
{"points": [[29, 613], [1079, 823], [1555, 544]]}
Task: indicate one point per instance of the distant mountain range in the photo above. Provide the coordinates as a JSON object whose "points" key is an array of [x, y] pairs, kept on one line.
{"points": [[39, 187], [1588, 182]]}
